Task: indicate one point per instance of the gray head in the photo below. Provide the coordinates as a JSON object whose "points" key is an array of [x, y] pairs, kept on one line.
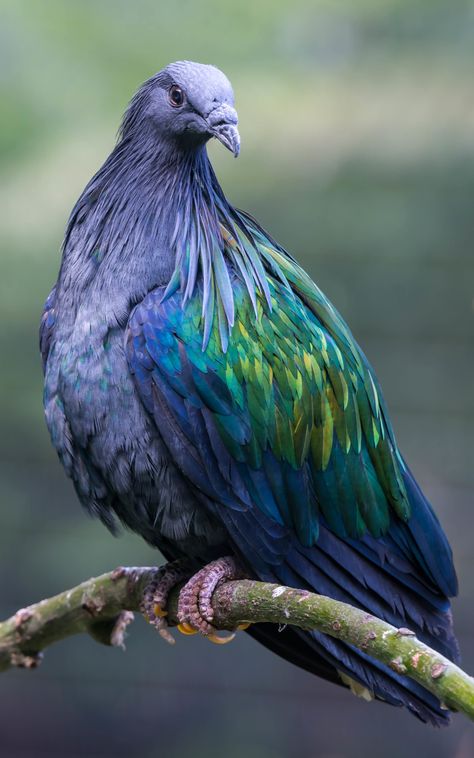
{"points": [[187, 103]]}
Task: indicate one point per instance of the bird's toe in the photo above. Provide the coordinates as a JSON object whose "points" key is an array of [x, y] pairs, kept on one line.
{"points": [[195, 609], [156, 593]]}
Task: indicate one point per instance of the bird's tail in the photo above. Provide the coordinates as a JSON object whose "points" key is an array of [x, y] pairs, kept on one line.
{"points": [[331, 660], [403, 578]]}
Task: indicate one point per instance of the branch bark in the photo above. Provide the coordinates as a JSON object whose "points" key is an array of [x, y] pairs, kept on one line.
{"points": [[103, 607]]}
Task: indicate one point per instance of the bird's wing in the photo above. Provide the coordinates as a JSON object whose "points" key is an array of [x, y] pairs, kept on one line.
{"points": [[283, 413], [47, 325], [285, 438], [289, 420], [287, 424]]}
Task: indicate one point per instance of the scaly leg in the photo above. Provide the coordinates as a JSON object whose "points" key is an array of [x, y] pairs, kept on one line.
{"points": [[195, 611], [155, 596]]}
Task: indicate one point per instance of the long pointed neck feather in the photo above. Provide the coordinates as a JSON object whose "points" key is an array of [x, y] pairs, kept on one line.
{"points": [[156, 215]]}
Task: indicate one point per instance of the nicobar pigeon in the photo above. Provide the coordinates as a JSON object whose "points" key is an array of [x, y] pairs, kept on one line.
{"points": [[201, 390]]}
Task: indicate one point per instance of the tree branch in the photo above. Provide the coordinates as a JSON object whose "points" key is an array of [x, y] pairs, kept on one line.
{"points": [[103, 607]]}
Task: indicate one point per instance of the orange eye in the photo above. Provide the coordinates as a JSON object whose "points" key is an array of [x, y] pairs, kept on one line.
{"points": [[176, 96]]}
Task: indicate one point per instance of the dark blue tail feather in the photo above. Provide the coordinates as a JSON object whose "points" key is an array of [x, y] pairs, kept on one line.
{"points": [[427, 539], [385, 578], [402, 577], [379, 679]]}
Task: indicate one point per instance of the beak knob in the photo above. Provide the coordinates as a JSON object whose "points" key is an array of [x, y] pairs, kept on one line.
{"points": [[223, 122]]}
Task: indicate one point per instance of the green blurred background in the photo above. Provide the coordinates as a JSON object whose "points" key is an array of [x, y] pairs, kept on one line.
{"points": [[357, 125]]}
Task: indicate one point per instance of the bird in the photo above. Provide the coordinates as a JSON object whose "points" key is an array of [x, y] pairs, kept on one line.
{"points": [[203, 392]]}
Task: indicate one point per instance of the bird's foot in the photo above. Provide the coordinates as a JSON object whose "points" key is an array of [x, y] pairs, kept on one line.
{"points": [[195, 611], [155, 596]]}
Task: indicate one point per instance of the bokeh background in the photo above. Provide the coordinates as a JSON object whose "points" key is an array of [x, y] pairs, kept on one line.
{"points": [[357, 124]]}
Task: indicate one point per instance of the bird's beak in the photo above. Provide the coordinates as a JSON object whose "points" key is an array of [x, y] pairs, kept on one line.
{"points": [[229, 135], [223, 126]]}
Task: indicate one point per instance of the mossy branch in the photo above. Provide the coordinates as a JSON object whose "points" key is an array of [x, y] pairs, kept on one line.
{"points": [[103, 607]]}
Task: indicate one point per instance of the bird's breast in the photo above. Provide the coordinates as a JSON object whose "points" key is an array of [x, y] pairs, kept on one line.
{"points": [[108, 444]]}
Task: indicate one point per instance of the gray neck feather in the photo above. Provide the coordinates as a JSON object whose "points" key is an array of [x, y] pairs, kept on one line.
{"points": [[154, 215]]}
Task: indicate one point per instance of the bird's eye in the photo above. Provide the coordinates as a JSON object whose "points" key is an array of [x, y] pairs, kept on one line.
{"points": [[175, 96]]}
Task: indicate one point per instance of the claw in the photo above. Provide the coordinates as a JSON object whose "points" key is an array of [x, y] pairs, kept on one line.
{"points": [[219, 640], [156, 593], [166, 636], [186, 628]]}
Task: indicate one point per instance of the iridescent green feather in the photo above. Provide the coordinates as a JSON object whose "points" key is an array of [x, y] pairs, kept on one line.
{"points": [[297, 389]]}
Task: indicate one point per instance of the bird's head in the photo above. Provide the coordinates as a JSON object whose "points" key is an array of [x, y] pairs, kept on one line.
{"points": [[187, 103]]}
